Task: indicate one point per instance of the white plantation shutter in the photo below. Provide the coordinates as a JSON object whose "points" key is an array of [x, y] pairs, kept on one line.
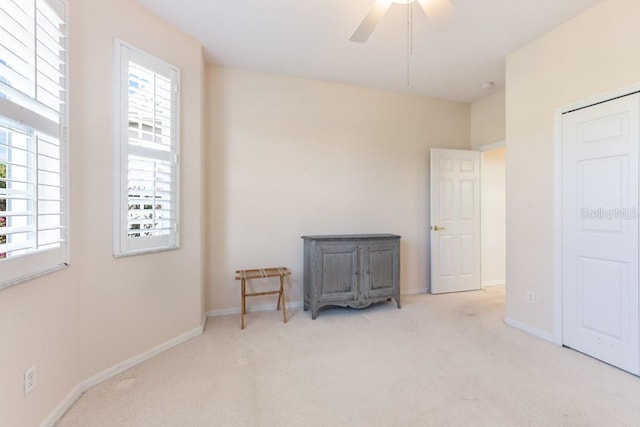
{"points": [[33, 219], [32, 59], [146, 199]]}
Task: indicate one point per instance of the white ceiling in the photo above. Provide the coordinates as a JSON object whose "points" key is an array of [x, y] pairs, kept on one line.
{"points": [[310, 39]]}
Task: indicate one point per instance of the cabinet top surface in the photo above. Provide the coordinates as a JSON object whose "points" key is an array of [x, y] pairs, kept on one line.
{"points": [[352, 237]]}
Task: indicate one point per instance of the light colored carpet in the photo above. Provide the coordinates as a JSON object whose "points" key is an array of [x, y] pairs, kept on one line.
{"points": [[443, 360]]}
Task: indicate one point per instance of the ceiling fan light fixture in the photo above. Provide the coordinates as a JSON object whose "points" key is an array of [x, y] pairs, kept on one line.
{"points": [[439, 11]]}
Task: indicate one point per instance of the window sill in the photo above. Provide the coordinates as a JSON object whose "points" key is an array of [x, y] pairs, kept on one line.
{"points": [[32, 276], [145, 251]]}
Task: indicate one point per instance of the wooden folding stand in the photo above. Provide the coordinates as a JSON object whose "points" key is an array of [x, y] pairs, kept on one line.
{"points": [[260, 273]]}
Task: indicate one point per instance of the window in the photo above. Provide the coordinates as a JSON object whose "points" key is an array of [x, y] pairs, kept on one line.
{"points": [[146, 153], [33, 91]]}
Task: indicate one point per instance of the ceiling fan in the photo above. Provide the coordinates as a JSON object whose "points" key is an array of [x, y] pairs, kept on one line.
{"points": [[440, 11]]}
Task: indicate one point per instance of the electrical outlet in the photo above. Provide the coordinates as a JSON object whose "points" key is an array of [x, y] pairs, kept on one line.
{"points": [[30, 377], [531, 297]]}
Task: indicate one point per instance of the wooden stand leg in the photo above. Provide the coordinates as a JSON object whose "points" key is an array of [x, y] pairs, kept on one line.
{"points": [[284, 307], [279, 295], [243, 308]]}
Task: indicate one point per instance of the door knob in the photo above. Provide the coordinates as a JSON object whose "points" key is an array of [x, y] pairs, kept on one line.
{"points": [[436, 228]]}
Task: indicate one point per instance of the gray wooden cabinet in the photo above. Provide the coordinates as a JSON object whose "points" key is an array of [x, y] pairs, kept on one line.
{"points": [[350, 270]]}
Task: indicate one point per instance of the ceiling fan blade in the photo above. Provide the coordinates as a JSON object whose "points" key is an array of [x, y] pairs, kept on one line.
{"points": [[441, 12], [369, 23]]}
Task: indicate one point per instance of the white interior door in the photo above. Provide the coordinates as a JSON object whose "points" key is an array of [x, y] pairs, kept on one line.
{"points": [[455, 220], [600, 231]]}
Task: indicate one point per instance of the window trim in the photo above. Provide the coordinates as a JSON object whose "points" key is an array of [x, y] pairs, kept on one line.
{"points": [[45, 262], [121, 245]]}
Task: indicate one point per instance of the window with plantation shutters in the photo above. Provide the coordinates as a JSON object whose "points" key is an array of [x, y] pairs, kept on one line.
{"points": [[33, 90], [146, 199]]}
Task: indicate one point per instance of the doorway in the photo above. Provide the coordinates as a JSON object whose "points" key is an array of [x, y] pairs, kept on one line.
{"points": [[468, 219], [493, 227]]}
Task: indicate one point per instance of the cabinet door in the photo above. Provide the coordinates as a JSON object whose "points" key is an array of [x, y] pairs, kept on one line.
{"points": [[338, 272], [381, 269]]}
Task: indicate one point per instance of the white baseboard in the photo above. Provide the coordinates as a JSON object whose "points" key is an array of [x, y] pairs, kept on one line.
{"points": [[499, 282], [414, 292], [250, 309], [136, 360], [526, 328], [297, 304], [109, 373], [63, 407]]}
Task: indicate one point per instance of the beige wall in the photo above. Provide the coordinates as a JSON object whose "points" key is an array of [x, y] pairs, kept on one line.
{"points": [[38, 324], [493, 217], [102, 311], [590, 55], [292, 157], [488, 120]]}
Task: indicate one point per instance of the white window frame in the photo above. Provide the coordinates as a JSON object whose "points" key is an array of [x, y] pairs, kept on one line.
{"points": [[28, 114], [123, 244]]}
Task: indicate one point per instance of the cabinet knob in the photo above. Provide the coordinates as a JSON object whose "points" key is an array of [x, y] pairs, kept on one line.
{"points": [[437, 228]]}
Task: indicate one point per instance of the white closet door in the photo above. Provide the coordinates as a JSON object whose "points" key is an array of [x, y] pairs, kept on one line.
{"points": [[600, 231]]}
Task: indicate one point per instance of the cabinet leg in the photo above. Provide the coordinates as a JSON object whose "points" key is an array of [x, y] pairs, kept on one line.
{"points": [[398, 301]]}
